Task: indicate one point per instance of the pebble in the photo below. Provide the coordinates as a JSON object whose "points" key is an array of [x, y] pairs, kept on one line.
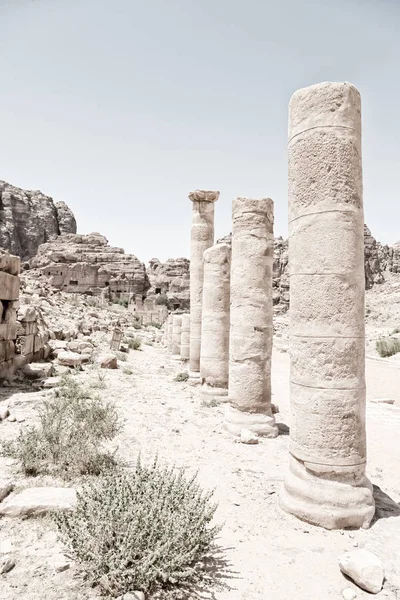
{"points": [[7, 565], [349, 594]]}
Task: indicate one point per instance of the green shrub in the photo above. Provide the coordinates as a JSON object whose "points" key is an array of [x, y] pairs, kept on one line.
{"points": [[135, 343], [184, 376], [122, 356], [387, 346], [68, 439], [127, 371], [145, 530], [136, 325]]}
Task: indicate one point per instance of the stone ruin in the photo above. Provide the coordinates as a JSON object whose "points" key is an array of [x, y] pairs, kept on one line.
{"points": [[23, 333], [333, 258], [170, 282], [86, 264]]}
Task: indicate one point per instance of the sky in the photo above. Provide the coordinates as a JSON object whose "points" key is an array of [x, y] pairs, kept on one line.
{"points": [[120, 108]]}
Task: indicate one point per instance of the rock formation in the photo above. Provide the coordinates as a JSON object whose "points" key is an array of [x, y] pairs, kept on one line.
{"points": [[87, 264], [171, 280], [251, 331], [29, 218], [326, 482]]}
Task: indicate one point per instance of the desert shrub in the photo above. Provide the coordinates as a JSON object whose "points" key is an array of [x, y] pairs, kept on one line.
{"points": [[146, 530], [387, 346], [211, 403], [184, 376], [135, 343], [99, 382], [68, 439], [127, 371], [121, 356], [136, 325], [162, 299]]}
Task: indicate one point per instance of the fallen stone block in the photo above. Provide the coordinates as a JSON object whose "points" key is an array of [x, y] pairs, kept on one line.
{"points": [[69, 359], [6, 487], [38, 370], [37, 501], [108, 361], [9, 286], [364, 568]]}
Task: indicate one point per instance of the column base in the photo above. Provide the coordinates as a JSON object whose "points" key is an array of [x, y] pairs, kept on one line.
{"points": [[259, 423], [219, 393], [176, 357], [194, 378], [327, 496]]}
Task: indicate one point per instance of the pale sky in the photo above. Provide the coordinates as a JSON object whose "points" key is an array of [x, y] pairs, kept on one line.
{"points": [[122, 107]]}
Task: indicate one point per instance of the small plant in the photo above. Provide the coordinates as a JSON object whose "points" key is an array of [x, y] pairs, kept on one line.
{"points": [[121, 356], [212, 403], [68, 440], [184, 376], [135, 343], [136, 325], [147, 530], [99, 382], [387, 346], [127, 371]]}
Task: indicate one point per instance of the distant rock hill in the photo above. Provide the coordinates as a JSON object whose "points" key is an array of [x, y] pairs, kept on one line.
{"points": [[43, 234], [29, 218]]}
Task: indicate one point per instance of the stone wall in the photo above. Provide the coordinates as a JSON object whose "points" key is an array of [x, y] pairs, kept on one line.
{"points": [[87, 264], [9, 294], [29, 218]]}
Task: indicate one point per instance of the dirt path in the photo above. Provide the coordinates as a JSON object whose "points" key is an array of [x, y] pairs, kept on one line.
{"points": [[271, 554]]}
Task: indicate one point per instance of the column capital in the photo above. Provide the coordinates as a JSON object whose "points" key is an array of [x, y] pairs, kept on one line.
{"points": [[204, 196]]}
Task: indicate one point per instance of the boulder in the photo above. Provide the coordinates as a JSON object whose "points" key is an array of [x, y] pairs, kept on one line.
{"points": [[36, 501], [38, 370], [364, 568], [6, 487], [69, 359], [108, 361]]}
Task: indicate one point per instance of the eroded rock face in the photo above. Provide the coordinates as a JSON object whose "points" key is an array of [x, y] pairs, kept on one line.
{"points": [[87, 264], [29, 218], [171, 279]]}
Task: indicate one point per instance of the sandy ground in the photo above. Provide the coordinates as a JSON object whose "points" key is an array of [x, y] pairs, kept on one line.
{"points": [[269, 554]]}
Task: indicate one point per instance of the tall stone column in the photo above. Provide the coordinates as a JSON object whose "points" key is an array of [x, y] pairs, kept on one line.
{"points": [[176, 336], [170, 327], [251, 331], [214, 354], [202, 238], [185, 337], [326, 483]]}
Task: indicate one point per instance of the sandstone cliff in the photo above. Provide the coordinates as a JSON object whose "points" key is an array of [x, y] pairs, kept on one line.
{"points": [[171, 279], [87, 264], [29, 218]]}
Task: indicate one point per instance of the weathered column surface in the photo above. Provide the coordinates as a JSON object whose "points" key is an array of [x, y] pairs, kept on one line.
{"points": [[176, 336], [249, 391], [326, 482], [185, 337], [201, 239], [214, 354], [169, 336]]}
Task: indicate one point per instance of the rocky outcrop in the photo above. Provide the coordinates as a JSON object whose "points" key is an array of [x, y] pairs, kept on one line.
{"points": [[372, 260], [66, 219], [29, 218], [170, 280], [87, 264]]}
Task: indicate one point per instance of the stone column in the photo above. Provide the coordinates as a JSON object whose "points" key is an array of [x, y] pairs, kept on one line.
{"points": [[214, 355], [185, 337], [201, 239], [169, 337], [251, 318], [326, 483], [176, 336]]}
